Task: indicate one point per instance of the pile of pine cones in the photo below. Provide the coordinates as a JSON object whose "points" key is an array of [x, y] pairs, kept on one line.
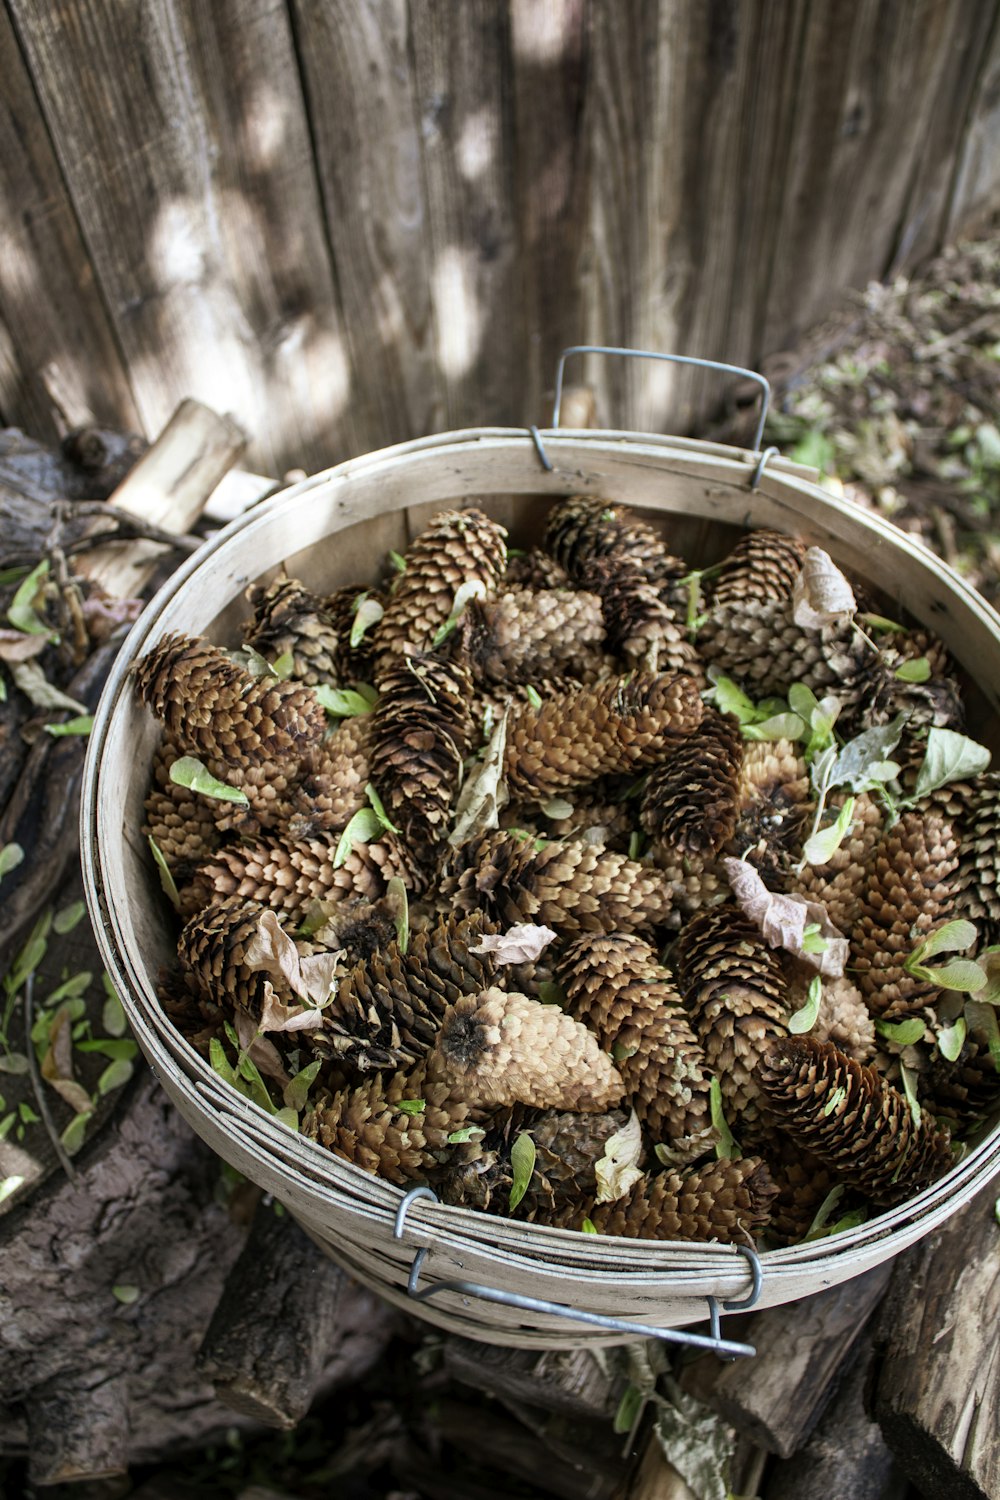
{"points": [[499, 879]]}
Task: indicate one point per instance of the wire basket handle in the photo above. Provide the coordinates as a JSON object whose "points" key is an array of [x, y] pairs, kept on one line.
{"points": [[715, 1344], [674, 359]]}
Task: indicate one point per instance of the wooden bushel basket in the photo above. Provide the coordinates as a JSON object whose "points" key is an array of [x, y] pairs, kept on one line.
{"points": [[337, 527]]}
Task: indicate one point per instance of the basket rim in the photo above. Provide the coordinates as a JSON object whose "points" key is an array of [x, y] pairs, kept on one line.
{"points": [[925, 1210]]}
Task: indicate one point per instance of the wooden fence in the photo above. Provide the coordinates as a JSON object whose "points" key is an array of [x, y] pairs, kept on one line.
{"points": [[354, 221]]}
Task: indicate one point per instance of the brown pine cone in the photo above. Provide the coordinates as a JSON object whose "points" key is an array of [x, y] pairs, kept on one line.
{"points": [[580, 529], [934, 702], [499, 1049], [285, 876], [614, 822], [840, 884], [690, 798], [366, 1125], [855, 1122], [421, 732], [582, 733], [694, 881], [773, 804], [458, 546], [615, 985], [529, 636], [215, 710], [757, 643], [572, 886], [763, 565], [354, 663], [910, 891], [536, 570], [802, 1181], [388, 1008], [724, 1201], [180, 821], [735, 995], [641, 626], [212, 948], [977, 879], [288, 617], [331, 784], [843, 1019], [965, 1092]]}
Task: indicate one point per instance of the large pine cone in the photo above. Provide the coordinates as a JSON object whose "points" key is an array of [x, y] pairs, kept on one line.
{"points": [[582, 529], [763, 565], [287, 876], [725, 1201], [978, 876], [212, 952], [690, 798], [641, 626], [840, 884], [529, 636], [852, 1119], [288, 617], [180, 821]]}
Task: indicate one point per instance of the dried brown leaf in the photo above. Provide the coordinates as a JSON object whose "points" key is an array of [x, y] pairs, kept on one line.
{"points": [[784, 919], [822, 595], [518, 945], [16, 646], [57, 1064]]}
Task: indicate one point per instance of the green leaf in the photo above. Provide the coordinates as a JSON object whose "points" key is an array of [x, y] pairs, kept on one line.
{"points": [[283, 666], [14, 1063], [852, 1220], [813, 940], [817, 1229], [557, 808], [31, 955], [631, 1404], [622, 1051], [115, 1076], [636, 842], [412, 1106], [952, 937], [533, 696], [113, 1018], [879, 622], [726, 1148], [13, 575], [73, 1137], [589, 1227], [398, 562], [909, 1081], [27, 1114], [21, 613], [473, 588], [822, 846], [82, 724], [6, 1125], [367, 612], [69, 917], [220, 1062], [248, 1070], [11, 855], [122, 1049], [855, 765], [364, 828], [71, 989], [950, 757], [835, 1100], [400, 902], [802, 701], [287, 1117], [903, 1033], [167, 883], [343, 703], [378, 809], [962, 975], [786, 726], [9, 1186], [951, 1039], [296, 1091], [918, 669], [189, 772], [466, 1133], [805, 1018], [551, 993], [125, 1293], [730, 699], [522, 1161]]}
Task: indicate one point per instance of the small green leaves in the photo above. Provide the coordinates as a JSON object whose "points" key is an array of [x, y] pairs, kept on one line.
{"points": [[191, 773], [81, 725], [21, 613], [399, 901], [589, 1227], [473, 588], [115, 1076], [11, 855], [343, 703], [113, 1018], [533, 696], [917, 669], [783, 726], [522, 1161], [629, 1407], [167, 881], [551, 993], [961, 974], [557, 807], [813, 940], [909, 1081], [879, 622], [805, 1019], [296, 1091], [73, 1137], [768, 720], [820, 847], [364, 828], [730, 699], [950, 757], [69, 917], [636, 844], [125, 1293], [397, 561], [726, 1148], [835, 1100], [951, 1039], [367, 612], [377, 808], [412, 1106], [904, 1033], [952, 937], [817, 1229], [466, 1133]]}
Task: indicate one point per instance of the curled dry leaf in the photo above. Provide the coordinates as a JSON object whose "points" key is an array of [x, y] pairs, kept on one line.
{"points": [[273, 951], [103, 616], [276, 1016], [33, 682], [783, 920], [57, 1064], [619, 1168], [484, 792], [822, 595], [518, 945], [16, 646], [262, 1053]]}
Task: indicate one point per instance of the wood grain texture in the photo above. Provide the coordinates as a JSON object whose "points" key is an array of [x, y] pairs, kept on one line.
{"points": [[938, 1394], [182, 138], [50, 305]]}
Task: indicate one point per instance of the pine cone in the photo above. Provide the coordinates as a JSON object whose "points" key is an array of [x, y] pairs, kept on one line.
{"points": [[286, 876], [978, 877], [367, 1126], [840, 884], [854, 1121], [724, 1201], [802, 1181], [422, 730], [763, 565], [694, 882], [615, 985], [571, 886], [757, 643], [332, 783], [582, 529], [458, 546], [215, 710], [500, 1049], [641, 626], [212, 948], [910, 891], [734, 990], [690, 798], [288, 617], [536, 570], [843, 1019], [934, 702], [179, 820], [525, 636], [613, 822], [965, 1092], [582, 733], [772, 806], [388, 1009]]}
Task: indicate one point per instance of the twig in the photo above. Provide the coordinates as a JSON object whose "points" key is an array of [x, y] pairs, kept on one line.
{"points": [[938, 346], [36, 1078], [127, 528]]}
